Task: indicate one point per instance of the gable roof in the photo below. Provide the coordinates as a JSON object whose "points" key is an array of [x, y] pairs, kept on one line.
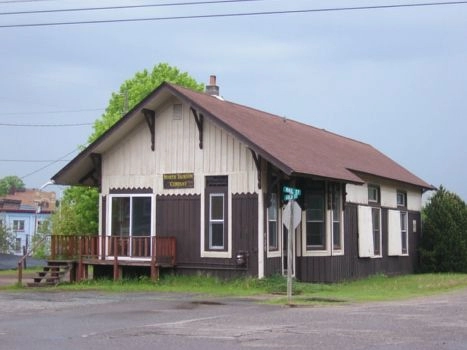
{"points": [[293, 147]]}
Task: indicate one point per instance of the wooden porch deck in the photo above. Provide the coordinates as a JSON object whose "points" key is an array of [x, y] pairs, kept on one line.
{"points": [[118, 252]]}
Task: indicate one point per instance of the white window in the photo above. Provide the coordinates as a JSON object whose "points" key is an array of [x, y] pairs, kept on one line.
{"points": [[130, 215], [373, 194], [398, 237], [315, 221], [336, 217], [273, 242], [216, 221], [404, 233], [369, 232], [401, 199], [216, 231], [18, 225], [376, 223]]}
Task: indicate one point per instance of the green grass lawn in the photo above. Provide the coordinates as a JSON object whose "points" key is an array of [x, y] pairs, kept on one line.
{"points": [[273, 289]]}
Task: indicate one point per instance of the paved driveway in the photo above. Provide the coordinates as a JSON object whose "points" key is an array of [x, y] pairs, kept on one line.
{"points": [[88, 320]]}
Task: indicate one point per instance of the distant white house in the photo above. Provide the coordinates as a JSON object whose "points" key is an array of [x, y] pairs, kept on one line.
{"points": [[25, 213]]}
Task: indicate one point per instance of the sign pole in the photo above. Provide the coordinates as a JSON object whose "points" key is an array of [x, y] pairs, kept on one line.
{"points": [[289, 255]]}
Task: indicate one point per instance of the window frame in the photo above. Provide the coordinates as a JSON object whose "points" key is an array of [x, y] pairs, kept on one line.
{"points": [[216, 185], [404, 233], [401, 195], [374, 189], [336, 192], [18, 225], [131, 196], [213, 221], [314, 247], [273, 207], [377, 233]]}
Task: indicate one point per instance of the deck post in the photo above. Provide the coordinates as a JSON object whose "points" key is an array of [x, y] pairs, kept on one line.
{"points": [[80, 269], [116, 269]]}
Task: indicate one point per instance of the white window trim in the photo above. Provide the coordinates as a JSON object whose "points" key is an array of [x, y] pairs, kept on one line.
{"points": [[211, 220], [131, 195], [109, 219], [327, 233], [341, 250], [328, 221], [275, 253], [395, 233], [380, 233], [210, 253], [365, 232]]}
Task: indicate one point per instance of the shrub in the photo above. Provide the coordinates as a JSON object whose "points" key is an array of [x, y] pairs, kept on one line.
{"points": [[443, 246]]}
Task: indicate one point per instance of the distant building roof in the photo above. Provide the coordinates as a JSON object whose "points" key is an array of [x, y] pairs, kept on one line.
{"points": [[28, 200]]}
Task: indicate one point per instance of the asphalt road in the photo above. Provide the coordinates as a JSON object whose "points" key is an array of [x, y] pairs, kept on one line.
{"points": [[89, 320]]}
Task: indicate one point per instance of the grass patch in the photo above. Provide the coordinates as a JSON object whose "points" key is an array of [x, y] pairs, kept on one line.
{"points": [[273, 289]]}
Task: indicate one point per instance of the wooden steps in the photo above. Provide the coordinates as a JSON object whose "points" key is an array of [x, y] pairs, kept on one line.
{"points": [[52, 274]]}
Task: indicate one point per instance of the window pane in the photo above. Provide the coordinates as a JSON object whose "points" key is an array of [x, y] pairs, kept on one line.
{"points": [[272, 235], [403, 221], [376, 231], [217, 207], [336, 228], [315, 234], [217, 235], [120, 216], [141, 216], [315, 207], [272, 210]]}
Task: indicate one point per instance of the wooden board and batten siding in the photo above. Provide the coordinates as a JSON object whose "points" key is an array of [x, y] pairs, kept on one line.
{"points": [[350, 265], [179, 210], [132, 164]]}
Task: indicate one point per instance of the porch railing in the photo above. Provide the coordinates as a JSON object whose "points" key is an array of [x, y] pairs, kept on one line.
{"points": [[70, 247]]}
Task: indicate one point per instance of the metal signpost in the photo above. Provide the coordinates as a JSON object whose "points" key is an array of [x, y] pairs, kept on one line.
{"points": [[291, 218]]}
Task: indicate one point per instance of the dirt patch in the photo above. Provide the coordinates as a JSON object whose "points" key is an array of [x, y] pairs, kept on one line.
{"points": [[12, 279]]}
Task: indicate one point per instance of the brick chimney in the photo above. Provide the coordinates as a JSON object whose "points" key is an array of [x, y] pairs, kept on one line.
{"points": [[212, 89]]}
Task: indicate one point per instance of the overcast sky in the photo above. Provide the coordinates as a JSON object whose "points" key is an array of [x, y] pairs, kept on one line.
{"points": [[394, 78]]}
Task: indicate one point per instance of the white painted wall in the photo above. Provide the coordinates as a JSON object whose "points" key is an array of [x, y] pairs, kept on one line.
{"points": [[132, 163]]}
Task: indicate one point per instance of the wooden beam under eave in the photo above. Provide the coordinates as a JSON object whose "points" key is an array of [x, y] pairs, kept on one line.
{"points": [[199, 119], [257, 160], [150, 117]]}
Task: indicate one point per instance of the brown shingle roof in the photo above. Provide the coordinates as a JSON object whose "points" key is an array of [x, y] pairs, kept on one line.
{"points": [[299, 148], [293, 147]]}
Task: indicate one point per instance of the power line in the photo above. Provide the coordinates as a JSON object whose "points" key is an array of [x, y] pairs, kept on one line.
{"points": [[54, 112], [168, 4], [19, 1], [239, 14], [50, 164], [45, 125], [32, 160]]}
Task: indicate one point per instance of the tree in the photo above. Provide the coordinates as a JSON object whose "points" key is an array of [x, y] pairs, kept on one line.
{"points": [[7, 239], [136, 89], [79, 207], [10, 182], [443, 246], [78, 213]]}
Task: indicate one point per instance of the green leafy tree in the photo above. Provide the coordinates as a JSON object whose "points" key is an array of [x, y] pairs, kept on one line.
{"points": [[79, 207], [7, 239], [136, 89], [78, 213], [10, 182], [443, 247]]}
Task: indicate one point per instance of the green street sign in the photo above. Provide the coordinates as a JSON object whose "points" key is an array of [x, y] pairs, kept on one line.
{"points": [[291, 193]]}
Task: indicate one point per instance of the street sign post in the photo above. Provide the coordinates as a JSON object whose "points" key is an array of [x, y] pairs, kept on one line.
{"points": [[294, 210]]}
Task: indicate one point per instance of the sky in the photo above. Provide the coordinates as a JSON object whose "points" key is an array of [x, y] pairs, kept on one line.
{"points": [[391, 77]]}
